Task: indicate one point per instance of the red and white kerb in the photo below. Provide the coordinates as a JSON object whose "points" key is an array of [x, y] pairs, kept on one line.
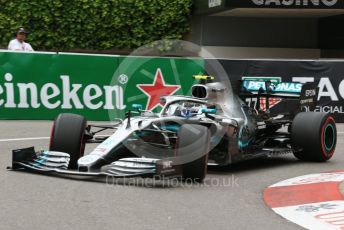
{"points": [[312, 201]]}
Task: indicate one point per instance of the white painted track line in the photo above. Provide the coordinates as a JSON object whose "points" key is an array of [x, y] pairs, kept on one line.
{"points": [[34, 138], [24, 139]]}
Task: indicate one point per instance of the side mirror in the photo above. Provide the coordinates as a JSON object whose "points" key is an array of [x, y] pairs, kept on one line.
{"points": [[137, 107], [209, 111]]}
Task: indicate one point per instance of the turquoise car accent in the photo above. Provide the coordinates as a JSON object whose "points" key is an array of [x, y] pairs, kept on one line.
{"points": [[211, 111], [137, 106]]}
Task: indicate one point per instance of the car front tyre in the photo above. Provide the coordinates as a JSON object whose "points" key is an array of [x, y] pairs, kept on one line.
{"points": [[67, 135]]}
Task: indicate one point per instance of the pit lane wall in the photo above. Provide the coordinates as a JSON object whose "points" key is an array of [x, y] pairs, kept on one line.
{"points": [[329, 74], [39, 86]]}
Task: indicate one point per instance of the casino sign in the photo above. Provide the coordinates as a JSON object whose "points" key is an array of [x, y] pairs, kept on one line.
{"points": [[219, 6]]}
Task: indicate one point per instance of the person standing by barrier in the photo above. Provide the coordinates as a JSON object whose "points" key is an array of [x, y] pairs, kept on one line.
{"points": [[19, 43]]}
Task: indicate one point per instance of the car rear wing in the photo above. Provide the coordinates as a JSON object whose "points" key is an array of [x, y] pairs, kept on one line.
{"points": [[282, 89], [305, 94]]}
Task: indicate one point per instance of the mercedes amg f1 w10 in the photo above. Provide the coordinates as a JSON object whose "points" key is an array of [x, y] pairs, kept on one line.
{"points": [[217, 125]]}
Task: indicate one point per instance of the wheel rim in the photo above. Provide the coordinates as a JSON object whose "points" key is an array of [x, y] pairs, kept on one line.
{"points": [[329, 137]]}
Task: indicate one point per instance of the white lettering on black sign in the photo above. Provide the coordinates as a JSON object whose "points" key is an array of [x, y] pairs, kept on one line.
{"points": [[214, 3], [328, 3]]}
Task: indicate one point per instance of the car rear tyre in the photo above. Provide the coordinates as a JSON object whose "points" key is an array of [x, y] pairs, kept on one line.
{"points": [[193, 147], [67, 135], [314, 136]]}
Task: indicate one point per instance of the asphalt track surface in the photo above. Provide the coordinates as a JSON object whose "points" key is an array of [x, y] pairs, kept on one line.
{"points": [[231, 197]]}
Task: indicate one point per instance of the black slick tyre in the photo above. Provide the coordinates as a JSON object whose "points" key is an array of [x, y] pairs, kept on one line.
{"points": [[67, 135], [314, 136], [193, 147]]}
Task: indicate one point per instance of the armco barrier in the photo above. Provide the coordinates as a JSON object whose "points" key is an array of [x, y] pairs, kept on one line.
{"points": [[42, 85], [100, 87]]}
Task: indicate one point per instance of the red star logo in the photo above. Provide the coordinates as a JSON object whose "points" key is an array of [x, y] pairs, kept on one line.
{"points": [[156, 90]]}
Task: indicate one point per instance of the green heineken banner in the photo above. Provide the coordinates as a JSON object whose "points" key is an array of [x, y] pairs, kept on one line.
{"points": [[40, 86]]}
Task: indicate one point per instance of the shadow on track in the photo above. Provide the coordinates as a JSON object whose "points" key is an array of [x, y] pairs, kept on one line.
{"points": [[257, 164]]}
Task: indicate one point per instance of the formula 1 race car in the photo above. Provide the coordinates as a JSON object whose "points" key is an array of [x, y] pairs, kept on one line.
{"points": [[217, 125]]}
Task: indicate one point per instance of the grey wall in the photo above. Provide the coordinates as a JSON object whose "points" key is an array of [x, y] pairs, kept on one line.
{"points": [[256, 32], [332, 33]]}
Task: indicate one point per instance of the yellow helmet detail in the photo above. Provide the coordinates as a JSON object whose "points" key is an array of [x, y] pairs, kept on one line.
{"points": [[203, 77]]}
